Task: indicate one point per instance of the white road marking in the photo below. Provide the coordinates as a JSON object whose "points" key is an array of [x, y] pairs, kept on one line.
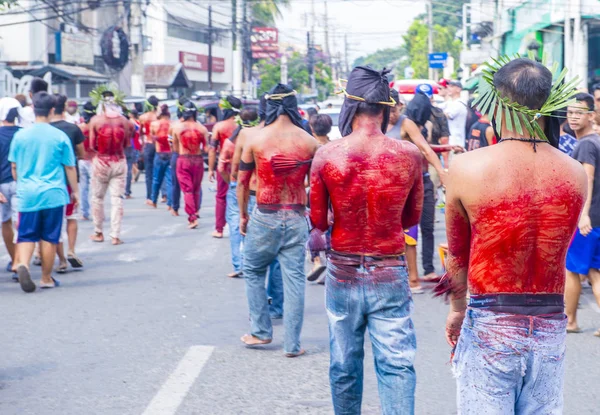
{"points": [[173, 391]]}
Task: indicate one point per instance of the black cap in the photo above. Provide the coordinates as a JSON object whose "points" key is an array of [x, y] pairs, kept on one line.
{"points": [[455, 83]]}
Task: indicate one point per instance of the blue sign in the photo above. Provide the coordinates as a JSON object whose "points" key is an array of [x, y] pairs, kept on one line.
{"points": [[438, 60]]}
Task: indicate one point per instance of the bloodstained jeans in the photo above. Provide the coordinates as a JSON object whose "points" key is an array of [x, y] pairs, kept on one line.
{"points": [[233, 220], [162, 175], [190, 170], [221, 206], [175, 187], [108, 175], [280, 235], [510, 364], [377, 297], [149, 153], [131, 155]]}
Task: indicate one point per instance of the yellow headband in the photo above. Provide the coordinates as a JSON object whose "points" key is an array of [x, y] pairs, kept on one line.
{"points": [[391, 103], [278, 97]]}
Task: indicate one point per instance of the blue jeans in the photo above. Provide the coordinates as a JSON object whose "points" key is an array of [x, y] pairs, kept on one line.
{"points": [[149, 154], [232, 215], [510, 364], [131, 154], [378, 298], [162, 173], [176, 189], [85, 177], [280, 235], [274, 281]]}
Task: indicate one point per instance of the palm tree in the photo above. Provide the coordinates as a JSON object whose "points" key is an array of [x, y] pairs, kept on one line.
{"points": [[264, 12]]}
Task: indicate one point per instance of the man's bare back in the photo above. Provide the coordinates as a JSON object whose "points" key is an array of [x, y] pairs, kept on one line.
{"points": [[516, 222], [110, 136], [281, 138], [376, 188], [189, 137]]}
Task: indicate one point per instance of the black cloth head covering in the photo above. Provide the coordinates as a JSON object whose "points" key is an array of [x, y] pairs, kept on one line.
{"points": [[373, 87], [236, 103], [262, 108], [88, 111], [189, 110], [418, 109], [287, 105]]}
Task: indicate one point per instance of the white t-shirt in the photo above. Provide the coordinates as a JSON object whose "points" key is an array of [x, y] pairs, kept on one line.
{"points": [[457, 113]]}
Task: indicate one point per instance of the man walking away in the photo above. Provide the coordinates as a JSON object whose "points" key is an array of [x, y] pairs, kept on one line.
{"points": [[375, 185], [110, 134], [280, 153], [146, 119], [40, 155], [583, 255], [77, 138], [160, 130], [9, 115], [507, 240]]}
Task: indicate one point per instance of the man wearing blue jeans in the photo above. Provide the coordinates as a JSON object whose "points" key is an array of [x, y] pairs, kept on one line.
{"points": [[280, 154], [374, 185]]}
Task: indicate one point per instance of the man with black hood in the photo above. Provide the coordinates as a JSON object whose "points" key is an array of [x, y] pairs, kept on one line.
{"points": [[222, 130], [281, 154], [375, 187], [275, 281], [148, 117]]}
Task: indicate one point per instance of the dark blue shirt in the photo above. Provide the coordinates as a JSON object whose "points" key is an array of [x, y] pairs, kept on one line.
{"points": [[6, 135]]}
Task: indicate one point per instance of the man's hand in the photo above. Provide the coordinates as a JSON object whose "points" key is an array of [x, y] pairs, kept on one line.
{"points": [[211, 176], [458, 149], [243, 225], [585, 225], [443, 177], [3, 198], [75, 199], [453, 325]]}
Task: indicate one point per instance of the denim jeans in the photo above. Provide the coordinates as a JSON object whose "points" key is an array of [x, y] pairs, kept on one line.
{"points": [[280, 235], [85, 179], [162, 174], [233, 220], [378, 298], [175, 188], [274, 281], [510, 364], [131, 154], [149, 154]]}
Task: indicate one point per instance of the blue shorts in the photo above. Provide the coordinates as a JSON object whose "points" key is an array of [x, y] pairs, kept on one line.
{"points": [[42, 225], [584, 252]]}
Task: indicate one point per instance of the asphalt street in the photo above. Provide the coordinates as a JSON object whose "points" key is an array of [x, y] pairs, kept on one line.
{"points": [[153, 327]]}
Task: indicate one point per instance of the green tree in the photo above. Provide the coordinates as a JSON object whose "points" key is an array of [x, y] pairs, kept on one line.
{"points": [[264, 12], [391, 58], [298, 76], [416, 42]]}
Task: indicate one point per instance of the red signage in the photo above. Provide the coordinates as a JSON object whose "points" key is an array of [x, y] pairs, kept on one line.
{"points": [[264, 36], [200, 62]]}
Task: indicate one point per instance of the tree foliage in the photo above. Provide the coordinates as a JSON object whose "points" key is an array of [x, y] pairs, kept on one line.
{"points": [[264, 12], [416, 42], [391, 58], [298, 76]]}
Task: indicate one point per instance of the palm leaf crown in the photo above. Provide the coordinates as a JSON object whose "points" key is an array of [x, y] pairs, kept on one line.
{"points": [[96, 95], [516, 116]]}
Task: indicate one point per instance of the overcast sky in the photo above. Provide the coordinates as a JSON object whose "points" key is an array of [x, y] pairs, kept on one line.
{"points": [[370, 24]]}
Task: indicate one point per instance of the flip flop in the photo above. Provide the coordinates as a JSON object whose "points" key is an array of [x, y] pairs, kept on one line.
{"points": [[250, 340], [74, 261], [24, 277], [237, 274], [62, 269], [597, 333], [417, 290], [300, 353], [55, 283], [316, 273], [575, 331], [37, 261], [15, 277], [9, 266]]}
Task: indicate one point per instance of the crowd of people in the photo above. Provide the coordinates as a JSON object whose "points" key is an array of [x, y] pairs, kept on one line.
{"points": [[519, 249]]}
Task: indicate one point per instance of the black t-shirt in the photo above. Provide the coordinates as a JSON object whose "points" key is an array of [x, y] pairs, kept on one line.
{"points": [[476, 138], [439, 125], [6, 135], [73, 132], [588, 151]]}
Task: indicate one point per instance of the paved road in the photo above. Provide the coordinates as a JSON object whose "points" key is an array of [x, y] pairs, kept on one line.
{"points": [[153, 327]]}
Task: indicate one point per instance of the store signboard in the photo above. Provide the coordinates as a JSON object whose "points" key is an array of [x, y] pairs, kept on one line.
{"points": [[199, 62], [74, 48]]}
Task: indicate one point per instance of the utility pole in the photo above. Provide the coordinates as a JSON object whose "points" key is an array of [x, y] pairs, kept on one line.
{"points": [[326, 16], [238, 54], [430, 37], [138, 86], [284, 70], [210, 42], [311, 43], [346, 54], [311, 60]]}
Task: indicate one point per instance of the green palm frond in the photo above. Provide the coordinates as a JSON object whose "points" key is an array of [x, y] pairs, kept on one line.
{"points": [[519, 118], [96, 95]]}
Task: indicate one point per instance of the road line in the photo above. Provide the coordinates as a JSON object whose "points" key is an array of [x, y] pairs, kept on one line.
{"points": [[176, 387]]}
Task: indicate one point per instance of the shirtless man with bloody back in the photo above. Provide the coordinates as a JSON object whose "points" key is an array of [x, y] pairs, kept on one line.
{"points": [[110, 134], [281, 154], [149, 149], [508, 240], [189, 140], [375, 186]]}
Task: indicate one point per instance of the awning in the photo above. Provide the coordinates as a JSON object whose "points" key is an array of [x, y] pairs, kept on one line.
{"points": [[69, 72], [166, 76]]}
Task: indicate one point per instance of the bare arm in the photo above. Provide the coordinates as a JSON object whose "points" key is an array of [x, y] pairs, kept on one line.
{"points": [[417, 138], [411, 215], [13, 169], [80, 151], [72, 179], [490, 136], [213, 146], [175, 142], [585, 223], [237, 154], [92, 129], [243, 188], [319, 196], [458, 231]]}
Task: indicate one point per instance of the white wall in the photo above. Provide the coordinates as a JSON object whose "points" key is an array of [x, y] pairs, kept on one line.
{"points": [[23, 42]]}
